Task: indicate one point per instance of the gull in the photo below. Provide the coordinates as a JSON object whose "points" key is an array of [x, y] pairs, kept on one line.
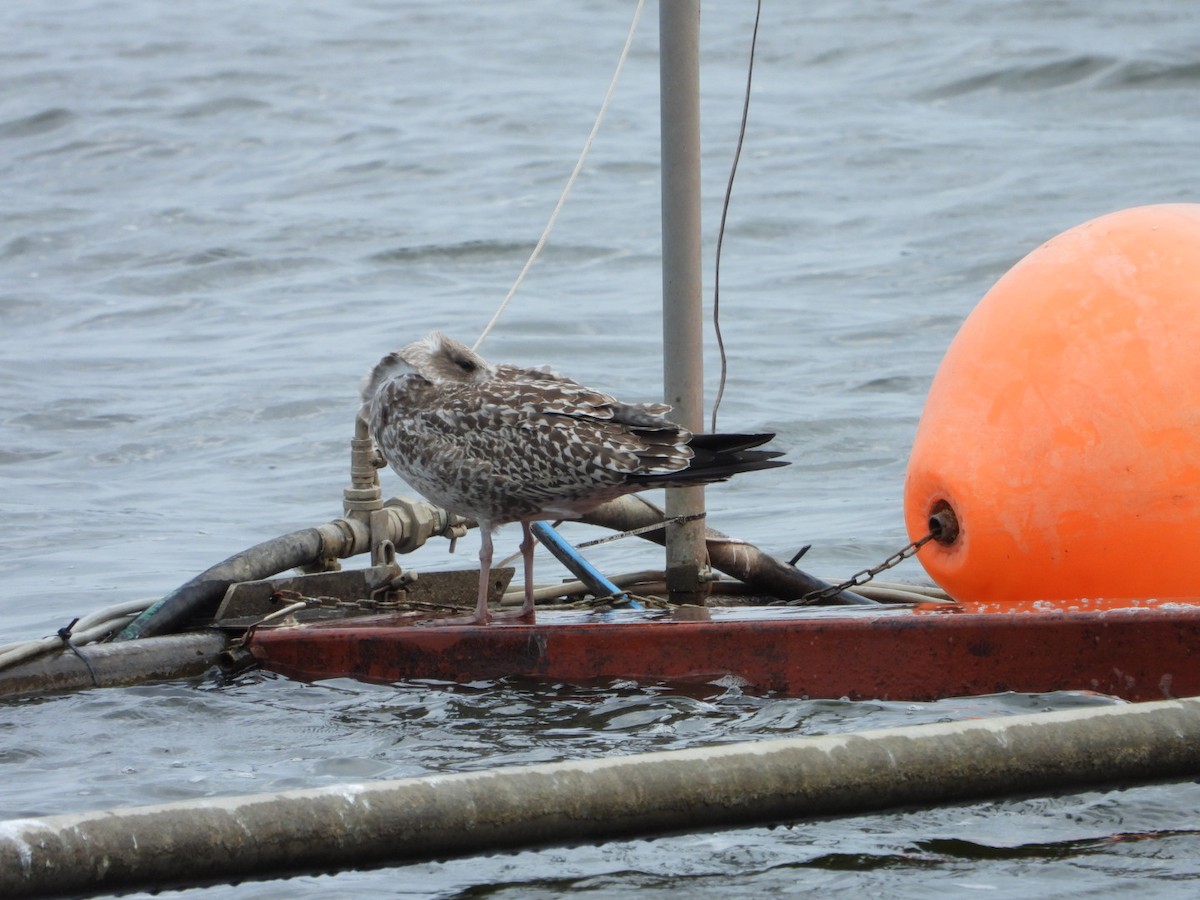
{"points": [[503, 443]]}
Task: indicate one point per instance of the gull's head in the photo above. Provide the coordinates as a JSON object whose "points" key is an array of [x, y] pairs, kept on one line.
{"points": [[439, 360], [435, 358]]}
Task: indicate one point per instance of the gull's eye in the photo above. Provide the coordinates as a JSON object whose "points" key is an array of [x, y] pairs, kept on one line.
{"points": [[467, 365]]}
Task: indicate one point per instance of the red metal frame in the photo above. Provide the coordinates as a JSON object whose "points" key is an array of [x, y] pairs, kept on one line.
{"points": [[1145, 652]]}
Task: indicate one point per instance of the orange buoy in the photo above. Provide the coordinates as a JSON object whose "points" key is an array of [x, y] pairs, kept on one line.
{"points": [[1063, 427]]}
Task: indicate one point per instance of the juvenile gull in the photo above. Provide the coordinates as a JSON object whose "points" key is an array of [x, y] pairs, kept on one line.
{"points": [[501, 443]]}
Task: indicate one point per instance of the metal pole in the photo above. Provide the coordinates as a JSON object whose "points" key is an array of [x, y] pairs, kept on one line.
{"points": [[683, 364]]}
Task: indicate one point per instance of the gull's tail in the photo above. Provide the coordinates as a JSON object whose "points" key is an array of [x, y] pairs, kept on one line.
{"points": [[717, 457]]}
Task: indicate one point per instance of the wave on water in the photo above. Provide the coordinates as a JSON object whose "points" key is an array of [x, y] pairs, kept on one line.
{"points": [[36, 123]]}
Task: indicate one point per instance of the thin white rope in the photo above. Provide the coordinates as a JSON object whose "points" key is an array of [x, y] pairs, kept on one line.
{"points": [[90, 628], [562, 200]]}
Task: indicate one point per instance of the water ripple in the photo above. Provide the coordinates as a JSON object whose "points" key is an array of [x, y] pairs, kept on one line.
{"points": [[37, 123], [1037, 76]]}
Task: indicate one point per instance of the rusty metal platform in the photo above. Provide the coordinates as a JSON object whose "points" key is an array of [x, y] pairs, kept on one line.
{"points": [[1143, 650]]}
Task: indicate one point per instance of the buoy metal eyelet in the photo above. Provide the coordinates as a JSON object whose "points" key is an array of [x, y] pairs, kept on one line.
{"points": [[943, 523]]}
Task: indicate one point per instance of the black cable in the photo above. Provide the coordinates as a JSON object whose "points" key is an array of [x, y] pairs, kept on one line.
{"points": [[724, 214], [64, 635]]}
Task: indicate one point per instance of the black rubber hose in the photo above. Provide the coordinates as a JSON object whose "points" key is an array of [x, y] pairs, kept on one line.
{"points": [[743, 561], [201, 596]]}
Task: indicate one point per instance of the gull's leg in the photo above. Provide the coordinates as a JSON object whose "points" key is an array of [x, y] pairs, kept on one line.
{"points": [[525, 613], [527, 547], [485, 575], [480, 616]]}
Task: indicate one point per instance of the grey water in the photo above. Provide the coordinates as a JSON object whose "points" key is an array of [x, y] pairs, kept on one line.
{"points": [[214, 217]]}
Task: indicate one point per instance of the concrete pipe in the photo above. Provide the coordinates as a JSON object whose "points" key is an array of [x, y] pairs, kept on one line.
{"points": [[435, 817]]}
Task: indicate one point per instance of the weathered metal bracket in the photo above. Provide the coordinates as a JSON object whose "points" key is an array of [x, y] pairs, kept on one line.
{"points": [[355, 592]]}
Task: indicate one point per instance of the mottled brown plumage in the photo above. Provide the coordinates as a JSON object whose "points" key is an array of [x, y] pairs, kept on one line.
{"points": [[507, 444]]}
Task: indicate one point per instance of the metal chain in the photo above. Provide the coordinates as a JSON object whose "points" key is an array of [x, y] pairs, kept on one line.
{"points": [[860, 578]]}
